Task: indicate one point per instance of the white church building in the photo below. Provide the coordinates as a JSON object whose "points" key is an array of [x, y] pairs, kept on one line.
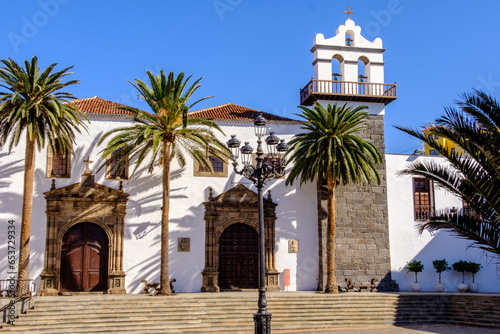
{"points": [[96, 231]]}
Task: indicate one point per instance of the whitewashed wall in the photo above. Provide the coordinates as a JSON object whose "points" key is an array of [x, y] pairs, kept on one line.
{"points": [[407, 245], [296, 212]]}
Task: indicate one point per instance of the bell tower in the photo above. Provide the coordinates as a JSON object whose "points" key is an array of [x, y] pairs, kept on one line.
{"points": [[348, 68], [360, 75]]}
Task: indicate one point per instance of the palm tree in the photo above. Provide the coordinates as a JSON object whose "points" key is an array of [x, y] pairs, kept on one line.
{"points": [[473, 176], [330, 150], [163, 135], [34, 106]]}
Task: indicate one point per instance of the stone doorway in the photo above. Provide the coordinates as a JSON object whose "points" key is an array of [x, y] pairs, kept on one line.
{"points": [[238, 258], [84, 240], [84, 259], [235, 207]]}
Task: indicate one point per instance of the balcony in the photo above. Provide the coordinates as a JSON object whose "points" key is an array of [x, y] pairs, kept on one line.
{"points": [[347, 91]]}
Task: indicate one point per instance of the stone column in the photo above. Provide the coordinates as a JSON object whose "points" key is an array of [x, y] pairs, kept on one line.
{"points": [[210, 272], [272, 275], [49, 283], [116, 277]]}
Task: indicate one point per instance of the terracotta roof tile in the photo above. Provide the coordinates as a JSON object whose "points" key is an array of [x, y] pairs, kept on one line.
{"points": [[230, 111], [97, 105]]}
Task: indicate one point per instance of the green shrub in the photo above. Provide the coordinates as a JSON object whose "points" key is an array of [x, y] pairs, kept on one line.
{"points": [[414, 267], [461, 267], [440, 266], [473, 268]]}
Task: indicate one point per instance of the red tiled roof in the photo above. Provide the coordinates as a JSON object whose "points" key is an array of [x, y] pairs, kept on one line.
{"points": [[230, 111], [97, 105]]}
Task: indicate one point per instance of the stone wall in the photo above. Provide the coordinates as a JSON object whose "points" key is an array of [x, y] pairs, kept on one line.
{"points": [[361, 222]]}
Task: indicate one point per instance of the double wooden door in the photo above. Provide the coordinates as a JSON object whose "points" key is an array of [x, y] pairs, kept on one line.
{"points": [[238, 258], [84, 259]]}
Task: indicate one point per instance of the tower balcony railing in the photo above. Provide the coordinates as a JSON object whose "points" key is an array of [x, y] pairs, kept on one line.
{"points": [[347, 91]]}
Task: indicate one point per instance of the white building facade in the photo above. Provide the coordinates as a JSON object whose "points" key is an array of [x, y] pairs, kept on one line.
{"points": [[92, 231]]}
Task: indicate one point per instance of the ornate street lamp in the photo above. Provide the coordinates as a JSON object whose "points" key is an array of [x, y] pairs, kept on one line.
{"points": [[259, 174]]}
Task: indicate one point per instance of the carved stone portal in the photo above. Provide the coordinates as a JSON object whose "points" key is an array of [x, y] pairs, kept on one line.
{"points": [[84, 202], [237, 205]]}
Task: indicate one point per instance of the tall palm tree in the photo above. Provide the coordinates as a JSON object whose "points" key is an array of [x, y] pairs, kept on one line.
{"points": [[163, 135], [330, 150], [473, 176], [34, 106]]}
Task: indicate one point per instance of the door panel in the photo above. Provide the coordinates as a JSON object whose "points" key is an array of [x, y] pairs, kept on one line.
{"points": [[238, 258], [84, 259], [72, 268]]}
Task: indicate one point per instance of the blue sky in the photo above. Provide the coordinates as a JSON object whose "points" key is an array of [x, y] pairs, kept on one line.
{"points": [[256, 53]]}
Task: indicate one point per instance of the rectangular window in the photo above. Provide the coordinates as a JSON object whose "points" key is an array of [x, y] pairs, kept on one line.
{"points": [[219, 168], [423, 198], [453, 150], [433, 152], [58, 164], [117, 166], [217, 165]]}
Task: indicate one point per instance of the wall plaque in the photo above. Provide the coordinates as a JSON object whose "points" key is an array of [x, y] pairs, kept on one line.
{"points": [[293, 246], [183, 244]]}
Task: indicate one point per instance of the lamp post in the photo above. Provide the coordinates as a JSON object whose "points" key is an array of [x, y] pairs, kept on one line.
{"points": [[259, 174]]}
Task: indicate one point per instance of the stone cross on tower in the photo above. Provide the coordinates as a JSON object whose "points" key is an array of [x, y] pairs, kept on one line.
{"points": [[348, 12], [88, 171]]}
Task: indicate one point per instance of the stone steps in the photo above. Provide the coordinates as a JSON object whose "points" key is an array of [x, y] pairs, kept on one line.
{"points": [[233, 312]]}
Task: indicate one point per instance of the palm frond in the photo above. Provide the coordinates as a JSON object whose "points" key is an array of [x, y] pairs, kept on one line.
{"points": [[475, 176], [330, 145]]}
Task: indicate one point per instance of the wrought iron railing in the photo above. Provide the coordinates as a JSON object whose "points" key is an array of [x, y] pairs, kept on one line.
{"points": [[17, 302], [423, 212], [334, 87]]}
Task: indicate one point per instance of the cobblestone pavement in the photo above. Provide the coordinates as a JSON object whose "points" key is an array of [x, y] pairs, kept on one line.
{"points": [[439, 329]]}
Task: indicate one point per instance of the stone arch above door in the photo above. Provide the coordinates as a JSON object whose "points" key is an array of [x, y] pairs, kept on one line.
{"points": [[89, 202], [237, 205]]}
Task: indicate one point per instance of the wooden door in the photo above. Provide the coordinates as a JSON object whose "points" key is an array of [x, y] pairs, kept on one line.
{"points": [[238, 258], [84, 259]]}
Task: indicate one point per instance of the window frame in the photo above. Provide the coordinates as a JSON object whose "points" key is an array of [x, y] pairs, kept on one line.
{"points": [[419, 213], [198, 172], [50, 163], [109, 167], [433, 152]]}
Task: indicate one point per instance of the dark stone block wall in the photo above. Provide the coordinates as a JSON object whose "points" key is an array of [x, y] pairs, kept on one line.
{"points": [[361, 224]]}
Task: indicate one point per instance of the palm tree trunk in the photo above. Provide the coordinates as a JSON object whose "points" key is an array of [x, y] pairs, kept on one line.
{"points": [[331, 284], [23, 273], [164, 278]]}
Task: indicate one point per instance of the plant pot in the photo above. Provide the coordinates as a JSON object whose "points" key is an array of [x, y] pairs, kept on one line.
{"points": [[463, 287], [439, 287], [416, 286], [473, 287]]}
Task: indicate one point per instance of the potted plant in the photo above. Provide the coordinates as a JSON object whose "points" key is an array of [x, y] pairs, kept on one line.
{"points": [[440, 266], [461, 267], [415, 267], [473, 268]]}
